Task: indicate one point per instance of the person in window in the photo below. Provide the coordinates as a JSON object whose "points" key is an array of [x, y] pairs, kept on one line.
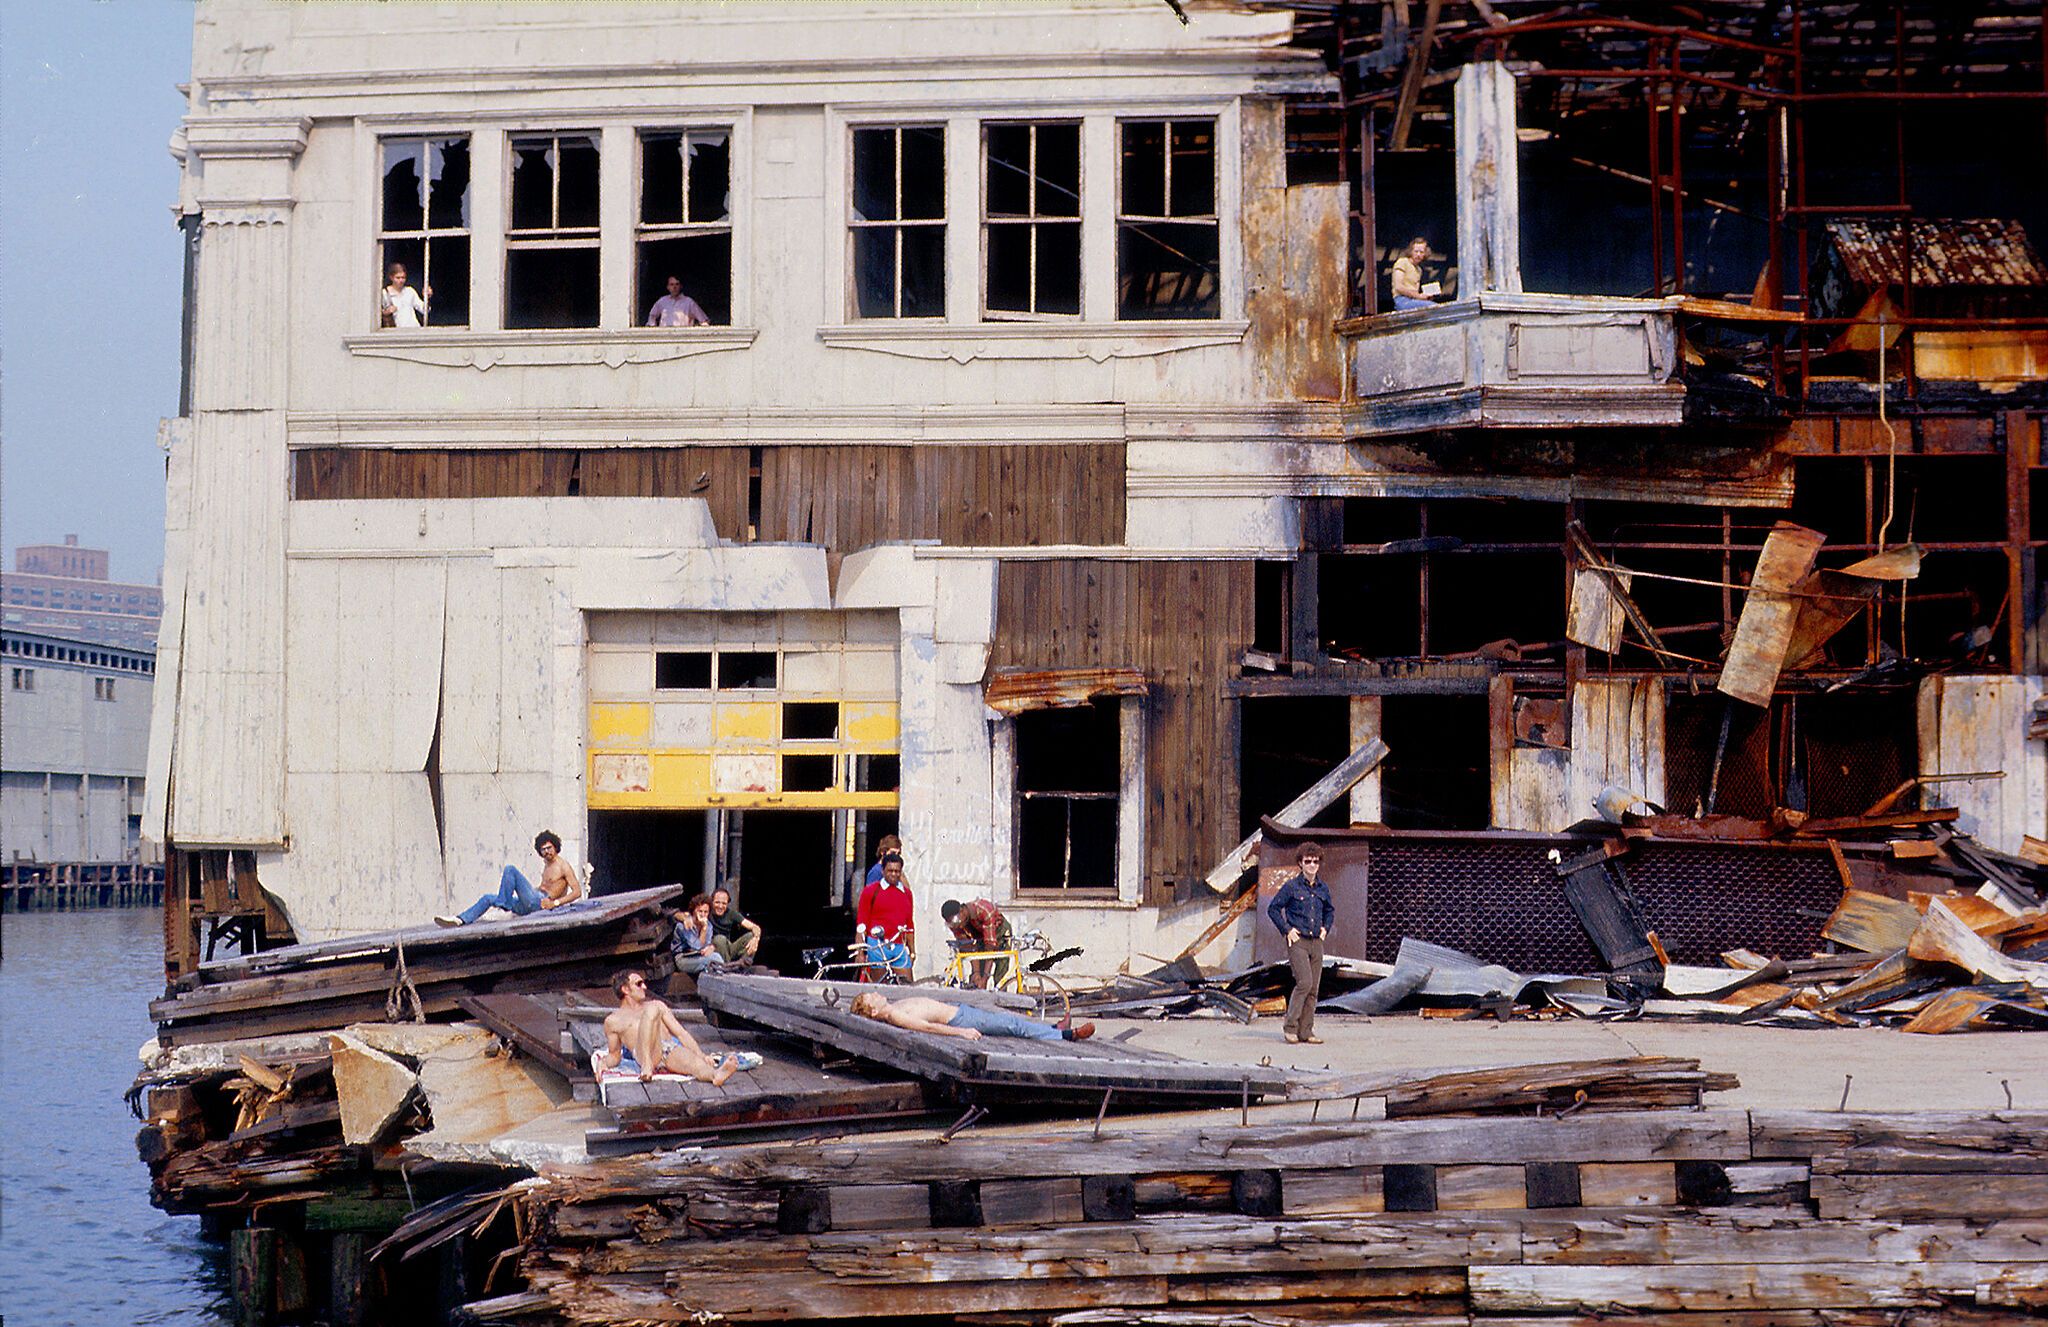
{"points": [[1303, 911], [883, 920], [979, 927], [676, 309], [1409, 292], [400, 304]]}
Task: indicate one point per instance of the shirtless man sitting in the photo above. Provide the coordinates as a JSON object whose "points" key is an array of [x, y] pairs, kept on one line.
{"points": [[559, 885], [918, 1013], [643, 1037]]}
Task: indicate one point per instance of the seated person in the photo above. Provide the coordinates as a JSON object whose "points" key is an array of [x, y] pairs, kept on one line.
{"points": [[692, 942], [979, 925], [883, 924], [920, 1013], [558, 886], [1407, 278], [642, 1037], [734, 937]]}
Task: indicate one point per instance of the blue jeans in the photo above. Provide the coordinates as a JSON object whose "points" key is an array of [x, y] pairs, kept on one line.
{"points": [[1002, 1023], [1410, 302], [514, 896]]}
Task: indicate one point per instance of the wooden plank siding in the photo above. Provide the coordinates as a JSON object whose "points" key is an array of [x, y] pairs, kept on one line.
{"points": [[1184, 624], [843, 497]]}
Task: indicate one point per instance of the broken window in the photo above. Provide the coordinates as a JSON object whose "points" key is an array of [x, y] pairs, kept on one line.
{"points": [[1068, 775], [424, 223], [685, 228], [899, 222], [551, 243], [1168, 237], [1033, 225]]}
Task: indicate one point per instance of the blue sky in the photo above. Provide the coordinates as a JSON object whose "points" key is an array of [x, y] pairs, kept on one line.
{"points": [[90, 271]]}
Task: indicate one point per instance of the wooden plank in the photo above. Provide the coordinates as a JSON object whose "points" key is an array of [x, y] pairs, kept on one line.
{"points": [[1617, 1238], [1627, 1184], [1225, 875], [1973, 1197], [1481, 1188], [1745, 1286], [1969, 1140], [1764, 630], [1943, 936], [1031, 1202], [1326, 1192], [879, 1206]]}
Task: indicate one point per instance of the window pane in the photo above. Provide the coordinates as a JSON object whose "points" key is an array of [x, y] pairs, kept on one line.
{"points": [[874, 174], [874, 271], [682, 670], [445, 268], [577, 198], [1009, 170], [703, 263], [1144, 170], [1194, 169], [924, 271], [661, 178], [924, 174], [1009, 268], [1167, 270], [746, 670], [1042, 842], [710, 177], [1059, 170], [448, 183], [402, 209], [1092, 862], [1059, 268], [533, 183], [550, 288]]}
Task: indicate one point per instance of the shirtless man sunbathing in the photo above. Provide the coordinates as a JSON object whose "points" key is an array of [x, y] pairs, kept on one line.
{"points": [[918, 1013], [643, 1037]]}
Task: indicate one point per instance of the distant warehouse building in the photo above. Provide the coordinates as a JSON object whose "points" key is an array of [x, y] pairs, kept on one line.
{"points": [[74, 736]]}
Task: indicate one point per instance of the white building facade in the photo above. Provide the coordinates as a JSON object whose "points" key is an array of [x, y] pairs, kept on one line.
{"points": [[74, 731], [1001, 295]]}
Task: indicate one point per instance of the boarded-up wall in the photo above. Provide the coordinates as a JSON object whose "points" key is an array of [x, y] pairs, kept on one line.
{"points": [[844, 497], [1185, 624]]}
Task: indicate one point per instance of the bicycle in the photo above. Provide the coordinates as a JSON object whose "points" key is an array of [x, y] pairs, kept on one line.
{"points": [[858, 965], [1012, 972]]}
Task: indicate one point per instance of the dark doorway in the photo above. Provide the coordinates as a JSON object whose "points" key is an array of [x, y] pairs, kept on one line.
{"points": [[1436, 776], [641, 849], [787, 876], [1289, 743]]}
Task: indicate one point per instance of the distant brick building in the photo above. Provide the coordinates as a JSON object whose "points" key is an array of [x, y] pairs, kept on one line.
{"points": [[63, 589]]}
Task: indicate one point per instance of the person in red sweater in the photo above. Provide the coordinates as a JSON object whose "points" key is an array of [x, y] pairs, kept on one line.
{"points": [[883, 922]]}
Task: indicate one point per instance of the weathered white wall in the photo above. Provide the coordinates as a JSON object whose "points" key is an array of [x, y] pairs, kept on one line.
{"points": [[1617, 738], [1973, 725]]}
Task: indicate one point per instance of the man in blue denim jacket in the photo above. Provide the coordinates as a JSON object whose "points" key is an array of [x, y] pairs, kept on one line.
{"points": [[1303, 912]]}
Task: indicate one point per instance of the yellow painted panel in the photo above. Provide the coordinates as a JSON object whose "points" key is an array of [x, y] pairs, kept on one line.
{"points": [[621, 724], [869, 724], [679, 775], [749, 722]]}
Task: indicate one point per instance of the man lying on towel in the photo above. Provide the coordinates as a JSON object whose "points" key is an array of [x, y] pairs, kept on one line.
{"points": [[642, 1037], [920, 1013]]}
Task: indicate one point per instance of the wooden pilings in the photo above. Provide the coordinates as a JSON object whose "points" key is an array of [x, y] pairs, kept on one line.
{"points": [[64, 887]]}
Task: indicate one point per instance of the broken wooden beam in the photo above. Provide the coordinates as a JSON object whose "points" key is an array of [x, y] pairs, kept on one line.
{"points": [[1303, 808]]}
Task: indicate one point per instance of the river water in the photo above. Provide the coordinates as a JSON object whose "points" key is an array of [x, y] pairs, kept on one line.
{"points": [[80, 1246]]}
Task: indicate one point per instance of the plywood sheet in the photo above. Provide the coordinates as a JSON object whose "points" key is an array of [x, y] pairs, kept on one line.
{"points": [[1764, 631]]}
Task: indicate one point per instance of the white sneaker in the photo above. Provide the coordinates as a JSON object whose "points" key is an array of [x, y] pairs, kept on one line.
{"points": [[447, 919]]}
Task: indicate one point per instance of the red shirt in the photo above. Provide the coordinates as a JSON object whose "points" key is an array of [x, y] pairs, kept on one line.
{"points": [[885, 909]]}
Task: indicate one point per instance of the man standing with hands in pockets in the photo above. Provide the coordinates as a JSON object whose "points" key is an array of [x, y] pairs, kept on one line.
{"points": [[1303, 912]]}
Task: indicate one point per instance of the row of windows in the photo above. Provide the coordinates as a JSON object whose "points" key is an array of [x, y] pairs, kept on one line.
{"points": [[1032, 187], [68, 654], [24, 679], [97, 603]]}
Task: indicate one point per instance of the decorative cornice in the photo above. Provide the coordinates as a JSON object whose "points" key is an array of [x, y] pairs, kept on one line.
{"points": [[907, 425], [221, 138], [455, 349]]}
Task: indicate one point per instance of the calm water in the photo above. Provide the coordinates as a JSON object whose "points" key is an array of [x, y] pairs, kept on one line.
{"points": [[80, 1246]]}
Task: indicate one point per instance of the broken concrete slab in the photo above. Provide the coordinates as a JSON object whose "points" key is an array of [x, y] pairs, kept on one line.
{"points": [[373, 1088]]}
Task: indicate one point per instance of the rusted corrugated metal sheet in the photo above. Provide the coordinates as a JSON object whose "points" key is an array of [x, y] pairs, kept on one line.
{"points": [[1945, 253], [1016, 692]]}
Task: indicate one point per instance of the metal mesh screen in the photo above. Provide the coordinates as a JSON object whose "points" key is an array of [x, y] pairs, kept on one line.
{"points": [[1503, 901]]}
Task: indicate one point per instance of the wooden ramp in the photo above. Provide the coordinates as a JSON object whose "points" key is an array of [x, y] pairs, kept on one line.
{"points": [[988, 1071], [367, 978]]}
